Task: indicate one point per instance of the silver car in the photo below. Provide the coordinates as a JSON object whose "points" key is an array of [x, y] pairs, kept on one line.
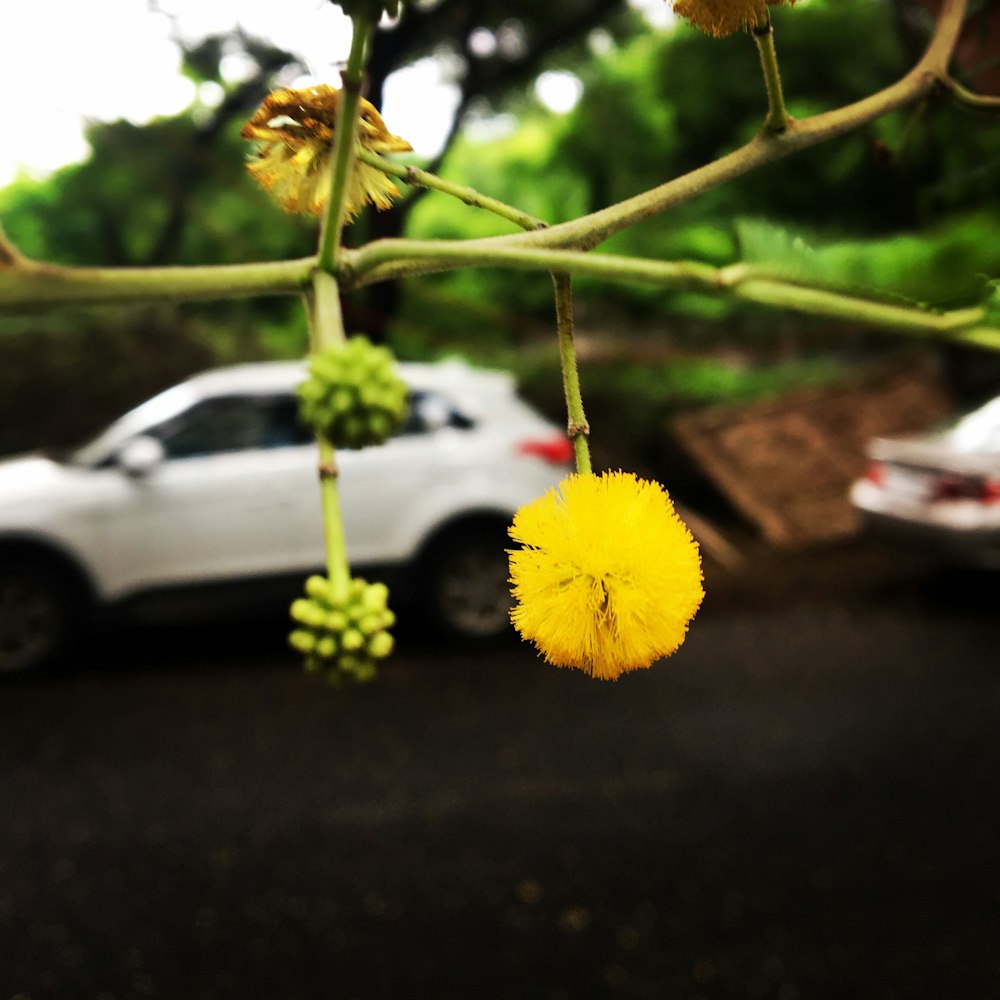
{"points": [[938, 491]]}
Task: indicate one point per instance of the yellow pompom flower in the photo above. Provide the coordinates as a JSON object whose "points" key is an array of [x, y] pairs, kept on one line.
{"points": [[723, 17], [295, 162], [608, 577]]}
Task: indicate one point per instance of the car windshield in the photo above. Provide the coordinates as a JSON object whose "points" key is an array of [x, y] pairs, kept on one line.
{"points": [[154, 411]]}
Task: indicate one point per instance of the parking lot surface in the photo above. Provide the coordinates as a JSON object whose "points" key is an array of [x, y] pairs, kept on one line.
{"points": [[800, 804]]}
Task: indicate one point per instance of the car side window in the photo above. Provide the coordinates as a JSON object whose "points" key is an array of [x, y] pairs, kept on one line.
{"points": [[428, 411], [233, 423]]}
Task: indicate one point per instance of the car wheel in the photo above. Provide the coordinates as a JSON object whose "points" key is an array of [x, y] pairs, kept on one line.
{"points": [[37, 615], [464, 585]]}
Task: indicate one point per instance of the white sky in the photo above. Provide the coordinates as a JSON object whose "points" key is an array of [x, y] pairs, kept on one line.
{"points": [[61, 66]]}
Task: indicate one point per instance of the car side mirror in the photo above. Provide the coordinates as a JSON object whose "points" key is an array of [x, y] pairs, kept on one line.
{"points": [[140, 456]]}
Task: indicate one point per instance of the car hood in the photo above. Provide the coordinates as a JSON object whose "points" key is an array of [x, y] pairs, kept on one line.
{"points": [[934, 451], [27, 476]]}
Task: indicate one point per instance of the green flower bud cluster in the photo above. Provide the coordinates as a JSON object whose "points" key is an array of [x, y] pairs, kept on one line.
{"points": [[353, 396], [345, 635]]}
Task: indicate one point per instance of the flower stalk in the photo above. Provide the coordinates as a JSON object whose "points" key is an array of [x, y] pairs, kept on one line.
{"points": [[777, 117], [415, 177], [345, 145], [576, 427], [326, 327], [326, 317]]}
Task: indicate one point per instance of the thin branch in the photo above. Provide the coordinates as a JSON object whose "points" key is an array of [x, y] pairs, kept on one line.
{"points": [[766, 147], [741, 281], [416, 177], [32, 287], [969, 100]]}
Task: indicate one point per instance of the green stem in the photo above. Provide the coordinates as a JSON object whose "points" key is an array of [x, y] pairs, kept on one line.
{"points": [[969, 100], [416, 177], [338, 569], [32, 287], [739, 281], [590, 230], [327, 320], [326, 328], [777, 116], [29, 286], [576, 426], [344, 145]]}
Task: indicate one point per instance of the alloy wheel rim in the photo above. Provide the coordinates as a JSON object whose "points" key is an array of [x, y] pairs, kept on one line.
{"points": [[474, 593]]}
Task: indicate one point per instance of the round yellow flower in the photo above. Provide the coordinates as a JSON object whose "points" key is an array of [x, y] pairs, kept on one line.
{"points": [[723, 17], [295, 162], [608, 577]]}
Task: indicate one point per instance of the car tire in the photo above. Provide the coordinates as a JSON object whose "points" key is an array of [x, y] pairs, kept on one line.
{"points": [[39, 614], [463, 584]]}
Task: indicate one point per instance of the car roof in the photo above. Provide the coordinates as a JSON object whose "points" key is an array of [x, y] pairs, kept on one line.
{"points": [[452, 374]]}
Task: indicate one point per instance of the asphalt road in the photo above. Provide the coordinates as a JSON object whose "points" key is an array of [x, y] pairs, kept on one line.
{"points": [[801, 805]]}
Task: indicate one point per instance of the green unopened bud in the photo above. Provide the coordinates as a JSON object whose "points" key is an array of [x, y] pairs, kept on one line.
{"points": [[380, 645], [303, 641], [327, 368], [370, 624], [353, 396], [318, 588], [327, 647], [352, 640], [301, 610], [375, 597], [342, 402], [336, 621]]}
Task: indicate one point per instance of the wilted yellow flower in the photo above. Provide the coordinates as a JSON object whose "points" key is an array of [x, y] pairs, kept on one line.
{"points": [[609, 576], [295, 161], [723, 17]]}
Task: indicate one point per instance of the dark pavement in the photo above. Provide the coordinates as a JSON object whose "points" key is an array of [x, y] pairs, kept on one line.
{"points": [[802, 804]]}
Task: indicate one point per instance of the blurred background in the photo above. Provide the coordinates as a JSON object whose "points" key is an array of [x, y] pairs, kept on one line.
{"points": [[803, 808], [559, 111]]}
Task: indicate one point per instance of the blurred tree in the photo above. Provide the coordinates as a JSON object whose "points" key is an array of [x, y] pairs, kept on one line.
{"points": [[174, 191], [495, 48], [917, 194]]}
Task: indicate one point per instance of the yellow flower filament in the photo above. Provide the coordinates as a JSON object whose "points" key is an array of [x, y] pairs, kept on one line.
{"points": [[295, 161], [608, 577], [724, 17]]}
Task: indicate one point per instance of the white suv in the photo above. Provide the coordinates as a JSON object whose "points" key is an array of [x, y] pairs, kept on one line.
{"points": [[207, 495]]}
